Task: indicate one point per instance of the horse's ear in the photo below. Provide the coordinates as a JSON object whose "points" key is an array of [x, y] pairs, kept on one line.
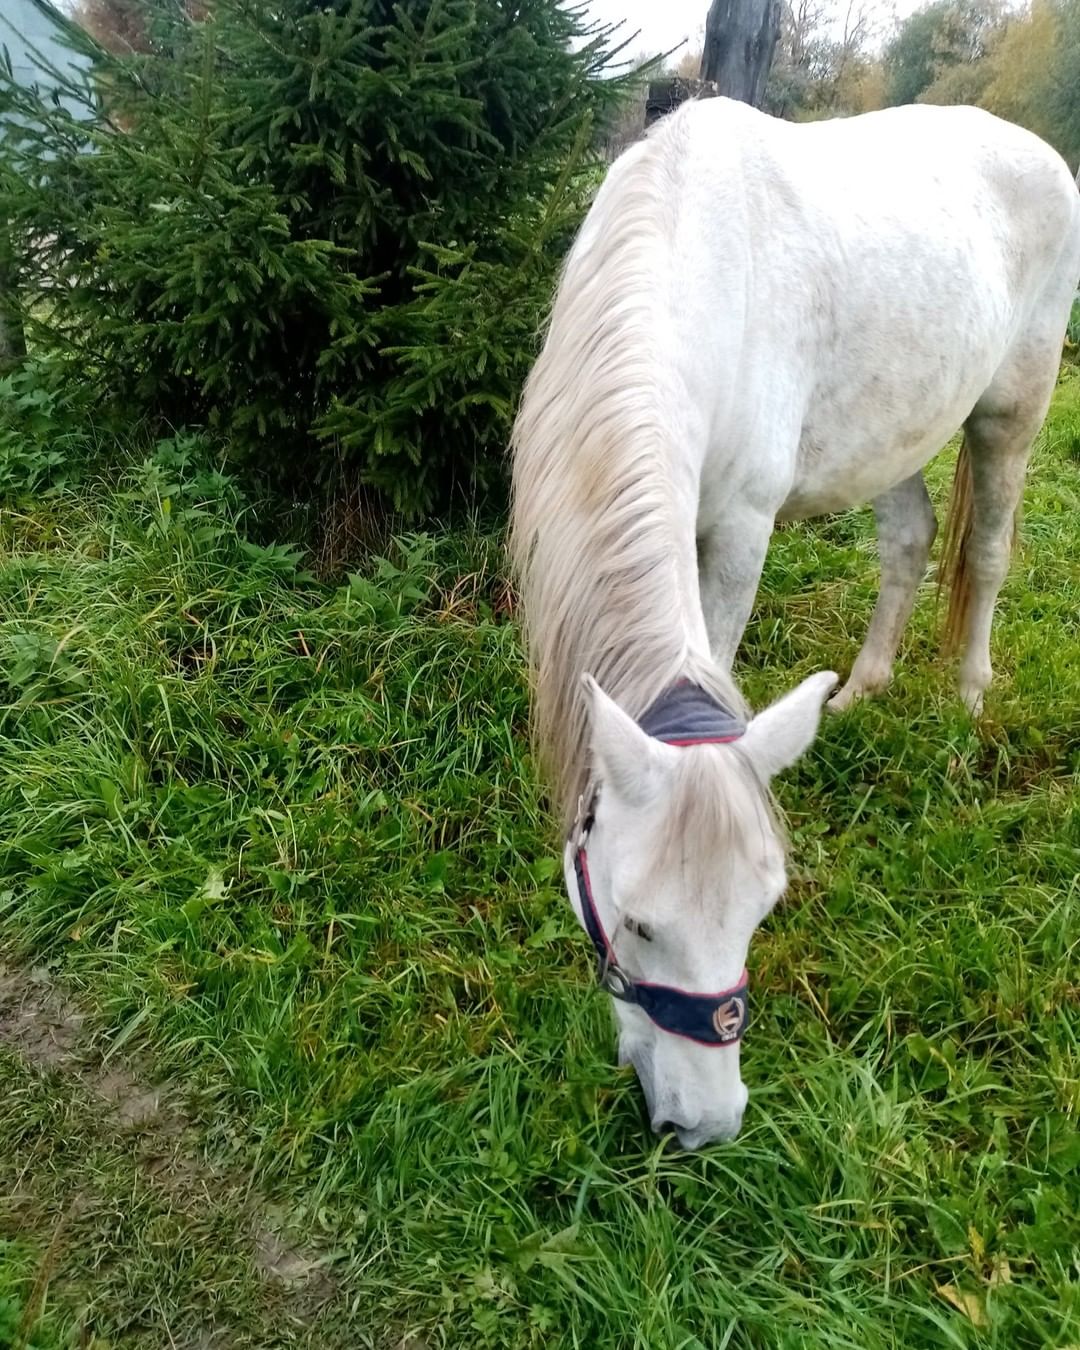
{"points": [[777, 737], [624, 757]]}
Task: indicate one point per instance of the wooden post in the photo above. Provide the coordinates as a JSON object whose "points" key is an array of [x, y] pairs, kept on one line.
{"points": [[740, 39]]}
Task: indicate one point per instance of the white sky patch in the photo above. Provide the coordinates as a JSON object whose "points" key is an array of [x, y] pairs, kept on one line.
{"points": [[664, 24]]}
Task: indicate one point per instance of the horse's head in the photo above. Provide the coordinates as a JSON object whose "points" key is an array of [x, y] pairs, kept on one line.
{"points": [[675, 860]]}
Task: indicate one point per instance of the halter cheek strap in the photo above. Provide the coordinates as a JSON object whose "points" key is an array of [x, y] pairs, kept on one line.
{"points": [[710, 1019], [684, 715]]}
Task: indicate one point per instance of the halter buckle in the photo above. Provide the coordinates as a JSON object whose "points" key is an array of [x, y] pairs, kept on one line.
{"points": [[584, 816]]}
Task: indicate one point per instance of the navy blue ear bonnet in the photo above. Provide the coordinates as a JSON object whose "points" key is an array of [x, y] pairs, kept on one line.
{"points": [[683, 715], [686, 715]]}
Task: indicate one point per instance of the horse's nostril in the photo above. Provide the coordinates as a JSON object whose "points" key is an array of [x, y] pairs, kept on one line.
{"points": [[665, 1125], [701, 1132]]}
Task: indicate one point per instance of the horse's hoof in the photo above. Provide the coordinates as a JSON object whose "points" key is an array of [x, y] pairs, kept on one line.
{"points": [[842, 700], [972, 700]]}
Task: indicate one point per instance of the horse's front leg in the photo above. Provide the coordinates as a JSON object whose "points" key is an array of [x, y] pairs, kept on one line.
{"points": [[731, 555], [906, 526]]}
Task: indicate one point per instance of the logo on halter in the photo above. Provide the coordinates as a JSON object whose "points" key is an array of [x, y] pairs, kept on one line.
{"points": [[727, 1019]]}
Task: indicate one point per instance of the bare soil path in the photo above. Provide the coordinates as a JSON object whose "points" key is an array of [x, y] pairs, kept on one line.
{"points": [[143, 1239]]}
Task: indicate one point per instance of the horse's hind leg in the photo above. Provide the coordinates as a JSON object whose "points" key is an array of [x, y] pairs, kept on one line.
{"points": [[982, 517], [905, 529]]}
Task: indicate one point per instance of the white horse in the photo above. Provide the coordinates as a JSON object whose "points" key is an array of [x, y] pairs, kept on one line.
{"points": [[759, 321]]}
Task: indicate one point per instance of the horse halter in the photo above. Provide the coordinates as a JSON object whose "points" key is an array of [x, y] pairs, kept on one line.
{"points": [[684, 715]]}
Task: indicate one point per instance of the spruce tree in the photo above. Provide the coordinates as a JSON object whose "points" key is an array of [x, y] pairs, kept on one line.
{"points": [[326, 230]]}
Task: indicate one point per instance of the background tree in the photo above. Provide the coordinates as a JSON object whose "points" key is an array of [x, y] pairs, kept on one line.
{"points": [[933, 40], [687, 65], [1023, 65], [1019, 67], [118, 25], [1055, 100], [823, 63]]}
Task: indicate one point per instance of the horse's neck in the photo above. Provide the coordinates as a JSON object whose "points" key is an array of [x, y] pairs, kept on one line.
{"points": [[648, 566], [605, 496], [647, 623]]}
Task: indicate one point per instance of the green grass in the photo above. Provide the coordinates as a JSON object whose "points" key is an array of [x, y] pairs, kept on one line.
{"points": [[23, 1320], [288, 834]]}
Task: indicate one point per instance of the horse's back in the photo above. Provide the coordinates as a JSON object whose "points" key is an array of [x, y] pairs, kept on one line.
{"points": [[860, 281], [953, 192], [890, 162]]}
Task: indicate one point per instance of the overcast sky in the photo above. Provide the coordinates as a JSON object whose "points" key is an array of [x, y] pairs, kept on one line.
{"points": [[665, 23]]}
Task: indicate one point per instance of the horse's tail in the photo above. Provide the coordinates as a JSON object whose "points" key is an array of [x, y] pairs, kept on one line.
{"points": [[954, 571]]}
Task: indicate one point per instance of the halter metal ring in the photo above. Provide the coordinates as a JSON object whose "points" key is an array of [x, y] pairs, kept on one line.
{"points": [[618, 984]]}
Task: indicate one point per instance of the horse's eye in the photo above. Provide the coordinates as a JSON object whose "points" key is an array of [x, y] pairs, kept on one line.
{"points": [[638, 929]]}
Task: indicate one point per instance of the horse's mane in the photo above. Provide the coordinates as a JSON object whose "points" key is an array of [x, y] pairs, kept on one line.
{"points": [[603, 564]]}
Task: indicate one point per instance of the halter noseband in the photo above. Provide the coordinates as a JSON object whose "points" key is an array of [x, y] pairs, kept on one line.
{"points": [[685, 715]]}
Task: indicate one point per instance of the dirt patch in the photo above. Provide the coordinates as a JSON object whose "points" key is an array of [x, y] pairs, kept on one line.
{"points": [[34, 1020], [42, 1024], [49, 1031]]}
